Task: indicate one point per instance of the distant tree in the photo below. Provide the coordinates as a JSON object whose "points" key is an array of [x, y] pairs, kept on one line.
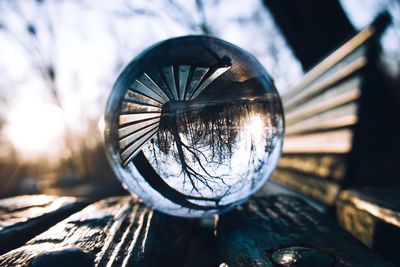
{"points": [[36, 33]]}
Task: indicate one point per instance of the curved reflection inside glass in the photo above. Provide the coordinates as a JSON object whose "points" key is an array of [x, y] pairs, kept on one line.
{"points": [[194, 125]]}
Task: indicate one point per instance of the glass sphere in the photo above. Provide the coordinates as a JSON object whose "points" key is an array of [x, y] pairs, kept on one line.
{"points": [[194, 126]]}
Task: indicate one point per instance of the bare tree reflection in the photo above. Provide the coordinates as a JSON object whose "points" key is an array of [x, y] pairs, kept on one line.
{"points": [[204, 132]]}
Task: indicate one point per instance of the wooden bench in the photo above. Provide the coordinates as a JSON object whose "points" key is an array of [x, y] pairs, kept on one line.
{"points": [[341, 147], [121, 231], [341, 123]]}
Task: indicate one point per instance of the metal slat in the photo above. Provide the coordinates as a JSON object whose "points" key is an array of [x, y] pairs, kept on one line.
{"points": [[129, 118], [134, 97], [183, 78], [159, 80], [139, 87], [197, 76], [132, 150], [169, 75], [122, 132], [133, 137], [218, 72], [129, 107], [146, 80]]}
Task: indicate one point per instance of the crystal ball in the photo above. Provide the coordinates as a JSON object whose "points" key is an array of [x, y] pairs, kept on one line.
{"points": [[194, 126]]}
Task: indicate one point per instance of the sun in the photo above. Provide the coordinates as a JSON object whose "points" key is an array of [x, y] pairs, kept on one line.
{"points": [[36, 128]]}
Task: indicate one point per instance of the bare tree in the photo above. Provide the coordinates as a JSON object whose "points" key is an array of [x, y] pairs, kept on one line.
{"points": [[36, 34], [37, 40]]}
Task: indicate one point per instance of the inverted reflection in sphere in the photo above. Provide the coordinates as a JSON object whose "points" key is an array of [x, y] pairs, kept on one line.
{"points": [[194, 126]]}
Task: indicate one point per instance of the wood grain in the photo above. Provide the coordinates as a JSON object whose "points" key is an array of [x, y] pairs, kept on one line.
{"points": [[337, 141], [23, 217], [117, 231], [255, 232], [324, 166], [372, 215], [321, 190]]}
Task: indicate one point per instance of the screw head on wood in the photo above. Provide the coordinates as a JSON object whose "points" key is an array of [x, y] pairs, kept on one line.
{"points": [[302, 257]]}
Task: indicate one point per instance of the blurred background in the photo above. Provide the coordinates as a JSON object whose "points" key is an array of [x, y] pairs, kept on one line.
{"points": [[59, 60]]}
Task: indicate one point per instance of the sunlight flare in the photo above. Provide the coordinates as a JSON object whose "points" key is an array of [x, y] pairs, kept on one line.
{"points": [[36, 128], [256, 126]]}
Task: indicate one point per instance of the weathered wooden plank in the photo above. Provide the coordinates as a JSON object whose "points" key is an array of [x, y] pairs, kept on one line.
{"points": [[373, 216], [337, 141], [117, 231], [201, 250], [345, 92], [325, 166], [23, 217], [285, 231], [340, 117], [346, 53], [321, 190], [345, 70], [272, 188]]}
